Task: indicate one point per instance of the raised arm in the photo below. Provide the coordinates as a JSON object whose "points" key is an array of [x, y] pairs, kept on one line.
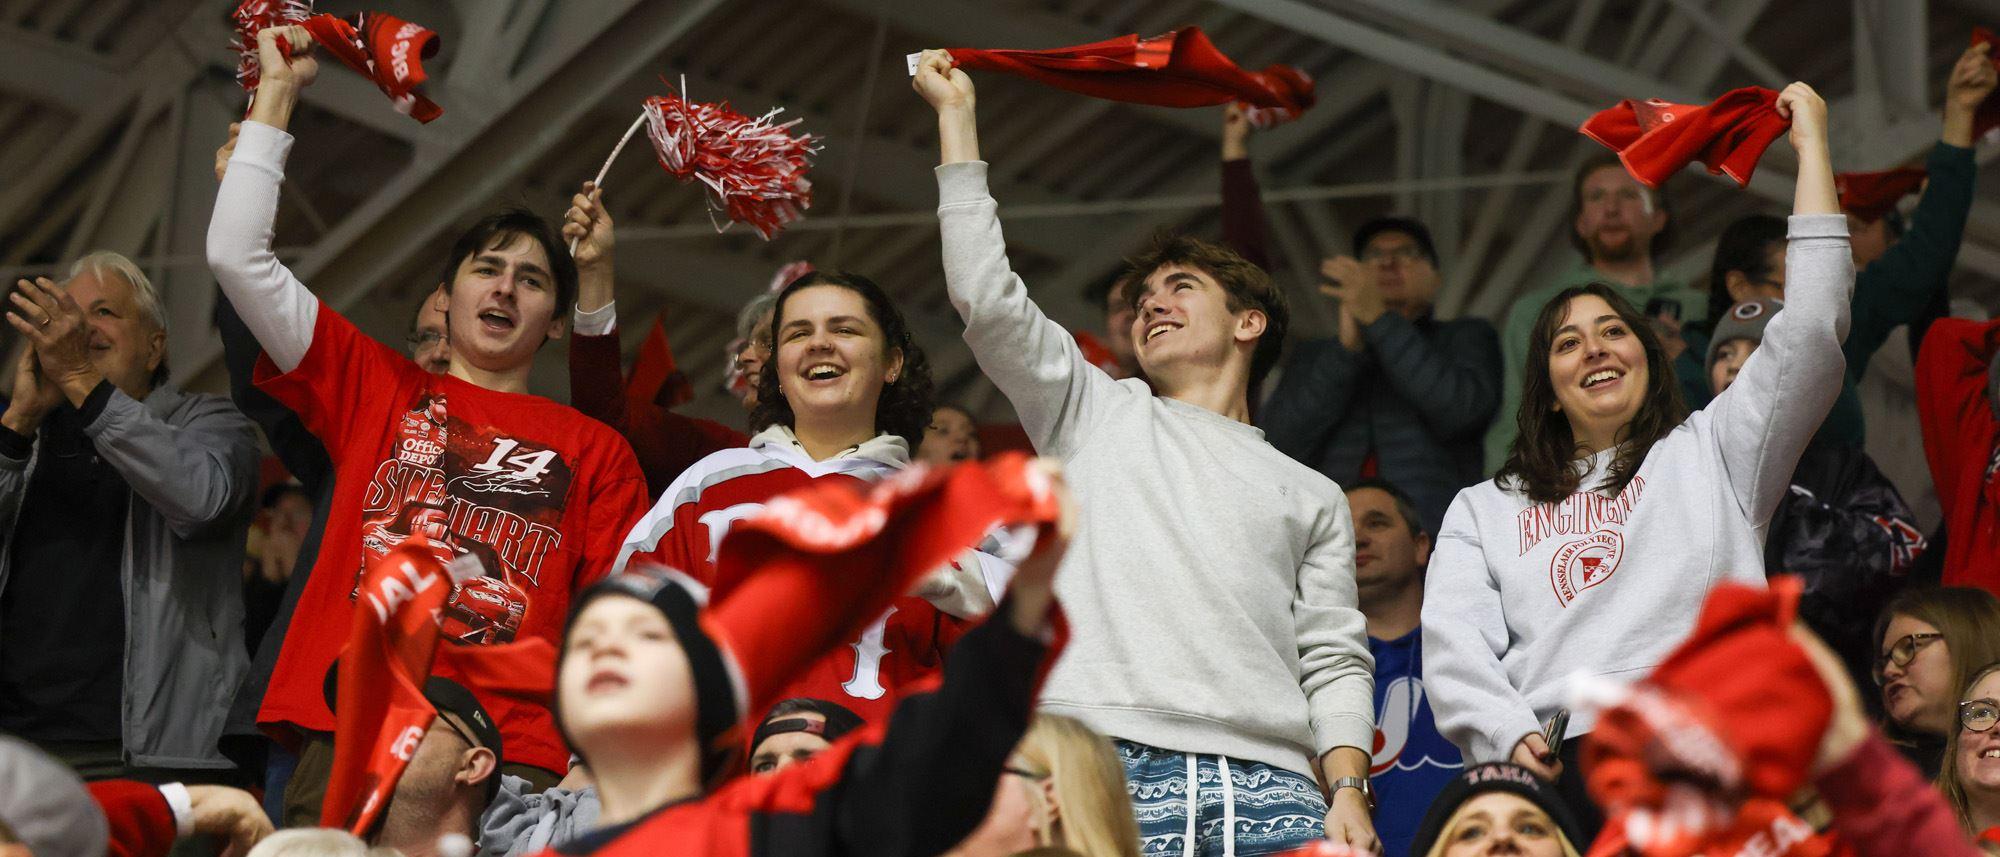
{"points": [[276, 306], [1242, 202], [1901, 286], [1762, 426], [1029, 357]]}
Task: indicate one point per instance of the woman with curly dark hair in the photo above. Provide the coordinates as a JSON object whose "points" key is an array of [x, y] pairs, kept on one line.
{"points": [[1593, 548], [845, 395]]}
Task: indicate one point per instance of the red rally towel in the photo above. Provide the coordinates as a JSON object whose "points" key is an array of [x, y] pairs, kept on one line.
{"points": [[1655, 139], [1179, 69], [381, 713], [1701, 757], [818, 564], [384, 48], [1869, 196]]}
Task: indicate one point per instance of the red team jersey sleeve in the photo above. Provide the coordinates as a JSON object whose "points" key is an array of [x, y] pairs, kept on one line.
{"points": [[539, 493]]}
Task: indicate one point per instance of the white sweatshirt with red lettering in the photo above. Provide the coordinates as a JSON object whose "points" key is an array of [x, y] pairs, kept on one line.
{"points": [[1522, 596]]}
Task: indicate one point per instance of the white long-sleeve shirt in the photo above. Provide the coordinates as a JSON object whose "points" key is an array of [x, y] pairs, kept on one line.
{"points": [[279, 310], [1210, 585], [1520, 596]]}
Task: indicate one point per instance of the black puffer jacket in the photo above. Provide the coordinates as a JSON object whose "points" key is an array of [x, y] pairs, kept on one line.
{"points": [[1845, 529]]}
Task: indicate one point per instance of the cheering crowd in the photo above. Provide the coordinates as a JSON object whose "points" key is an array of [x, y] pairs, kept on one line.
{"points": [[1615, 577]]}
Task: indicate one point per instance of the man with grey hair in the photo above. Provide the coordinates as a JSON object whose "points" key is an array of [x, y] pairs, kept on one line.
{"points": [[124, 503]]}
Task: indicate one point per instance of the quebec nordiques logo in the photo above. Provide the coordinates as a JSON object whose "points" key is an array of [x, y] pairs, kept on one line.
{"points": [[1584, 563]]}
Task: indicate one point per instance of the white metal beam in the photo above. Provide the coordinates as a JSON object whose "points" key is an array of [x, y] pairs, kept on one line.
{"points": [[1730, 40], [1385, 47], [1494, 207], [1503, 47], [1891, 56]]}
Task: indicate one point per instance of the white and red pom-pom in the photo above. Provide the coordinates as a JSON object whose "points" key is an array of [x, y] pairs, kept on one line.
{"points": [[754, 168], [250, 18]]}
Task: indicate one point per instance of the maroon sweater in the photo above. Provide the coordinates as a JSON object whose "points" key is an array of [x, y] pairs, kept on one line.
{"points": [[665, 442], [1882, 807]]}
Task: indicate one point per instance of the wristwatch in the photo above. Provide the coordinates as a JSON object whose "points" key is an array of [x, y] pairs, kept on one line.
{"points": [[1359, 784]]}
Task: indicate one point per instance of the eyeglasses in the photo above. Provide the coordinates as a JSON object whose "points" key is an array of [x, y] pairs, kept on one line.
{"points": [[1978, 715], [1405, 253], [1902, 652], [450, 723], [423, 339]]}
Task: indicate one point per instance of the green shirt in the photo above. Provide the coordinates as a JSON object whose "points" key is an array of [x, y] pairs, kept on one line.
{"points": [[1521, 325]]}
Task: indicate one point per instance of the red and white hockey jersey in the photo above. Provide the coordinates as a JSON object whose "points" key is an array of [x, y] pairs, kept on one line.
{"points": [[684, 529]]}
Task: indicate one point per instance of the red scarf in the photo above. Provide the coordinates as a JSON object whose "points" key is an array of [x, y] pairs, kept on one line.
{"points": [[1178, 69], [1869, 196], [383, 48], [1655, 139]]}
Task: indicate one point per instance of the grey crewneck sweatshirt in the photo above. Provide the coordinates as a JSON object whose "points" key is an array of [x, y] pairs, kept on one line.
{"points": [[1210, 585], [1521, 596]]}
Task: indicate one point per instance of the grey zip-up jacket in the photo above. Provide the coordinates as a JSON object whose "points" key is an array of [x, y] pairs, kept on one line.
{"points": [[191, 463]]}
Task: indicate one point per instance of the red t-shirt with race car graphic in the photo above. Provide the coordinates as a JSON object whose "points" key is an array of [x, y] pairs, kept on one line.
{"points": [[541, 494]]}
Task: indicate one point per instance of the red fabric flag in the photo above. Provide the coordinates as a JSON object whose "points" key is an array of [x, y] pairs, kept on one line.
{"points": [[1869, 196], [1701, 756], [818, 564], [1988, 116], [1655, 139], [655, 380], [383, 48], [381, 713], [1178, 69]]}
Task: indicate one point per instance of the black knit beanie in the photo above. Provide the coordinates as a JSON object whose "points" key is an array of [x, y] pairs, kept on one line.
{"points": [[717, 712], [1493, 777]]}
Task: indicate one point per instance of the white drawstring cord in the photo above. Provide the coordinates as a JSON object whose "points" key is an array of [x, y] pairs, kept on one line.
{"points": [[1187, 846], [1228, 808]]}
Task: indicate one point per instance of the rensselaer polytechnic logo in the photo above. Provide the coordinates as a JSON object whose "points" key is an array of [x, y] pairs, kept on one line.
{"points": [[1584, 563]]}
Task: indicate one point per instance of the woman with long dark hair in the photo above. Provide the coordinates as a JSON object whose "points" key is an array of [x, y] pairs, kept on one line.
{"points": [[1592, 549], [845, 394]]}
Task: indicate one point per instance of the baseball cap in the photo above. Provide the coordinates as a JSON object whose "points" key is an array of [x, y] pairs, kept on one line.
{"points": [[466, 716], [44, 806]]}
